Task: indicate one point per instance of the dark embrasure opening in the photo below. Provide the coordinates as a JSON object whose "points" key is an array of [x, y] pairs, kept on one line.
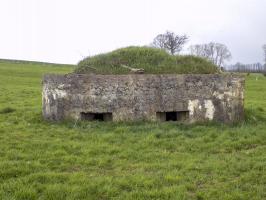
{"points": [[96, 116], [173, 116]]}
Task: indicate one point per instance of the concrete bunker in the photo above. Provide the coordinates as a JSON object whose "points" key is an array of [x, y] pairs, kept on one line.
{"points": [[134, 97]]}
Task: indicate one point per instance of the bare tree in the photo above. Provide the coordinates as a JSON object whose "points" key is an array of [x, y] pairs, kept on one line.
{"points": [[215, 52], [159, 41], [170, 41]]}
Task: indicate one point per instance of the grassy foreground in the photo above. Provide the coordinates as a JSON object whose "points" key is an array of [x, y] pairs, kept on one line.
{"points": [[41, 160]]}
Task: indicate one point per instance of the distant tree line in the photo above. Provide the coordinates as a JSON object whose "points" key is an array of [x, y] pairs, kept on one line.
{"points": [[250, 68], [264, 53], [247, 68]]}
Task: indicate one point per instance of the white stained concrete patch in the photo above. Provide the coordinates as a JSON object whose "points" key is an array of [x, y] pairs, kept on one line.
{"points": [[46, 101], [209, 109], [45, 95], [59, 93], [192, 105]]}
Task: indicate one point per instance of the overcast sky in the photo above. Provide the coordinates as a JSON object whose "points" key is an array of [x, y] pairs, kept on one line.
{"points": [[65, 31]]}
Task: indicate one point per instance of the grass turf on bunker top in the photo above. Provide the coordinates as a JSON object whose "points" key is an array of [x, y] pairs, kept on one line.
{"points": [[152, 60]]}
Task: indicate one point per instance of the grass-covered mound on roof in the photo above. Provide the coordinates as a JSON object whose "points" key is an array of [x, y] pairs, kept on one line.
{"points": [[152, 60]]}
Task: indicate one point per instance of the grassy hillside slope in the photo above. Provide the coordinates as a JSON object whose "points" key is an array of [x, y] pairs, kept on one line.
{"points": [[41, 160], [153, 61]]}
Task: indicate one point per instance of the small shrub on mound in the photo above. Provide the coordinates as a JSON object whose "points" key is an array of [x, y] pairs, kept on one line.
{"points": [[152, 60]]}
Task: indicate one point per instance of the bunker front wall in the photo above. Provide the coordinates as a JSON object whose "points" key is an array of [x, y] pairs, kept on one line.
{"points": [[217, 97]]}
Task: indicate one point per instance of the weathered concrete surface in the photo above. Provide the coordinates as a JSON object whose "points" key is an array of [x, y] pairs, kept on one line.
{"points": [[217, 97]]}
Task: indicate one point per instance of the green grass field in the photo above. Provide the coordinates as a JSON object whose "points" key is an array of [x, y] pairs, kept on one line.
{"points": [[103, 160]]}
